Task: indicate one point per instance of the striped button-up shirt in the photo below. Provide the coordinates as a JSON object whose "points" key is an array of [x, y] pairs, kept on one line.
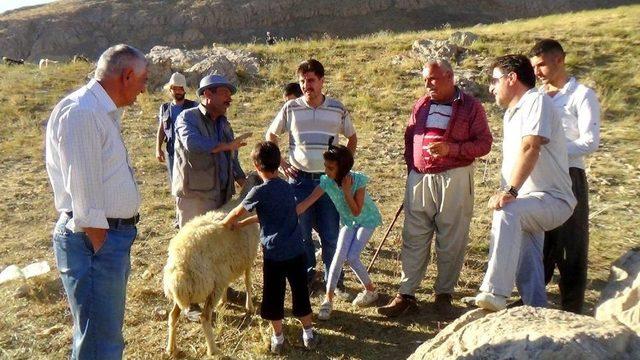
{"points": [[87, 161], [467, 134]]}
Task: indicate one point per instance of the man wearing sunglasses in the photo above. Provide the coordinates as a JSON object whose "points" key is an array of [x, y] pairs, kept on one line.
{"points": [[536, 191]]}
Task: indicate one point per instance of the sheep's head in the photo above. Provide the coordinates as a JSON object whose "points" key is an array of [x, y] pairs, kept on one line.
{"points": [[252, 180]]}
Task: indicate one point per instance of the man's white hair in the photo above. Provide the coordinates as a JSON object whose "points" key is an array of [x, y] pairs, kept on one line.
{"points": [[117, 58], [439, 62]]}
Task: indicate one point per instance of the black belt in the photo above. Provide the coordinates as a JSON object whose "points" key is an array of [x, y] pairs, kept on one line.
{"points": [[309, 175], [115, 222]]}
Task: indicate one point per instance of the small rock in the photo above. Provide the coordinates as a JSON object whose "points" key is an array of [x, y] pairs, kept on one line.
{"points": [[22, 291], [160, 314], [147, 274], [36, 269], [52, 330], [10, 273]]}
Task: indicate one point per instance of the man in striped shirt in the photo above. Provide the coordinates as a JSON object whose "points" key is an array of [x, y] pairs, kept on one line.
{"points": [[311, 121]]}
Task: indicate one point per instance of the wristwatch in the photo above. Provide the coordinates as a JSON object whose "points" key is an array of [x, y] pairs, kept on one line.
{"points": [[510, 190]]}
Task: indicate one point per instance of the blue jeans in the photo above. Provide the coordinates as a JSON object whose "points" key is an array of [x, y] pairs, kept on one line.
{"points": [[323, 217], [96, 286]]}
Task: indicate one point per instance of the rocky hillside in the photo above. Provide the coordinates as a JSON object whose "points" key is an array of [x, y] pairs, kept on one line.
{"points": [[64, 28]]}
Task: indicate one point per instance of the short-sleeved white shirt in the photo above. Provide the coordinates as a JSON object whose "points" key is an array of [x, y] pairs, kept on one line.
{"points": [[310, 129], [580, 112], [535, 114]]}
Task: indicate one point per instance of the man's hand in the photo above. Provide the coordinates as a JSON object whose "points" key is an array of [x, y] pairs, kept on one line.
{"points": [[236, 144], [160, 155], [97, 237], [347, 183], [288, 169], [239, 141], [499, 200], [438, 149]]}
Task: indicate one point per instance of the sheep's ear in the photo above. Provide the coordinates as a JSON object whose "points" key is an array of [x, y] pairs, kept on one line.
{"points": [[254, 179]]}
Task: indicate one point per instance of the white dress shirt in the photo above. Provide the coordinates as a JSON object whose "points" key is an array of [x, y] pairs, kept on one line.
{"points": [[87, 161], [580, 110]]}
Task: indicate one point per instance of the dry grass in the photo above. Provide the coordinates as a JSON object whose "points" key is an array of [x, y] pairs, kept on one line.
{"points": [[604, 51]]}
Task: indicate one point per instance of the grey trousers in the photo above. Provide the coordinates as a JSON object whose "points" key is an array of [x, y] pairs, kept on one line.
{"points": [[517, 239], [440, 204], [188, 208]]}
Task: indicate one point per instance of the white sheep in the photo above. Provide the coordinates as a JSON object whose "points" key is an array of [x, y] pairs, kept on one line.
{"points": [[45, 63], [204, 258]]}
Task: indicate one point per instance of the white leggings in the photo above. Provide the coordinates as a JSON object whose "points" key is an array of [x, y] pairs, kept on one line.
{"points": [[351, 242]]}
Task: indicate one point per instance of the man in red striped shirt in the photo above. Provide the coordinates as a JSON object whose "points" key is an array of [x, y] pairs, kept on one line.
{"points": [[447, 131]]}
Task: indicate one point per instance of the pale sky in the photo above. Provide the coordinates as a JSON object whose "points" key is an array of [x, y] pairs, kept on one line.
{"points": [[13, 4]]}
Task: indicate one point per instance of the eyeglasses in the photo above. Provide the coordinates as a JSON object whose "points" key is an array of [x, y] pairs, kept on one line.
{"points": [[494, 80]]}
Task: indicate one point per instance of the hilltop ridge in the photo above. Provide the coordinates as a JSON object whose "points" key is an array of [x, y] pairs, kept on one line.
{"points": [[64, 28]]}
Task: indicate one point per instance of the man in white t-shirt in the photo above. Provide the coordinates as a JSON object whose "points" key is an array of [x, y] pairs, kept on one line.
{"points": [[536, 191], [567, 245]]}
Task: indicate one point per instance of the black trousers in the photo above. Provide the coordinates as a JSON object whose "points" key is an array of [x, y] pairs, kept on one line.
{"points": [[274, 275], [566, 247]]}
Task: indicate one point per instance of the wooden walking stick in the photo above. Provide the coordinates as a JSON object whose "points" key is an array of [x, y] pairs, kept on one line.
{"points": [[375, 255]]}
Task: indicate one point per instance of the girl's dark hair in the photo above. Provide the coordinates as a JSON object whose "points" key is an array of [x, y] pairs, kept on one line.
{"points": [[342, 156]]}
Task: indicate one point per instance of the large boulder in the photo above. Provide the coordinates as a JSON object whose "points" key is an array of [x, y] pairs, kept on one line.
{"points": [[195, 64], [179, 58], [215, 64], [530, 333], [463, 38], [472, 81], [159, 70], [620, 299], [427, 49]]}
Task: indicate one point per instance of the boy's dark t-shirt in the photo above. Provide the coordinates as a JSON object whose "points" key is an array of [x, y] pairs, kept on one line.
{"points": [[276, 208]]}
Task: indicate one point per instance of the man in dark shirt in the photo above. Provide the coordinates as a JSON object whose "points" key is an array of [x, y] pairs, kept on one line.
{"points": [[282, 245], [167, 116]]}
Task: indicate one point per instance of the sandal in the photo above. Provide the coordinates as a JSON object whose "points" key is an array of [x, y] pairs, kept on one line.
{"points": [[325, 310]]}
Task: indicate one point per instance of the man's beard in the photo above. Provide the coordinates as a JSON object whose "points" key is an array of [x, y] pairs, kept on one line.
{"points": [[178, 97]]}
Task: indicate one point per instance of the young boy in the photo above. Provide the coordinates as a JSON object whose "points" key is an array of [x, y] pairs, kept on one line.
{"points": [[291, 91], [281, 244]]}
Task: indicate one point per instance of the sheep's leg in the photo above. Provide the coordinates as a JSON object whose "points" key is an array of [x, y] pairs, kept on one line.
{"points": [[247, 284], [205, 320], [173, 320]]}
